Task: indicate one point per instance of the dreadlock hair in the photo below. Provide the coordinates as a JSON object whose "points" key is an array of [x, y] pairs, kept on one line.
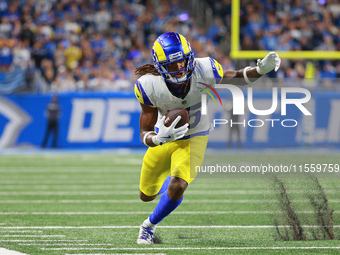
{"points": [[146, 69]]}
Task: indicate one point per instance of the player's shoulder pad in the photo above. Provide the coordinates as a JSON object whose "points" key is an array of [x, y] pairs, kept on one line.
{"points": [[211, 67], [217, 70], [141, 92]]}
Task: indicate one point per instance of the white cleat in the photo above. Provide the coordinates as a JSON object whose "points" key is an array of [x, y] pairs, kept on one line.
{"points": [[146, 233]]}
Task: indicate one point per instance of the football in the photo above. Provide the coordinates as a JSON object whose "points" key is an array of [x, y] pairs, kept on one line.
{"points": [[172, 115]]}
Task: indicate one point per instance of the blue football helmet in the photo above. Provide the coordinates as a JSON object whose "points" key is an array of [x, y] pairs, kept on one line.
{"points": [[169, 48]]}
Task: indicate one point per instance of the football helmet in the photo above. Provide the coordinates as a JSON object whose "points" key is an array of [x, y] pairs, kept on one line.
{"points": [[169, 48]]}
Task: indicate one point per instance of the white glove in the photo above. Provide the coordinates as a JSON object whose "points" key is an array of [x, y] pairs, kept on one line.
{"points": [[271, 61], [168, 134]]}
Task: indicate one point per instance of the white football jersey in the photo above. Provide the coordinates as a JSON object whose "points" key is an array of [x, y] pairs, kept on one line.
{"points": [[153, 91]]}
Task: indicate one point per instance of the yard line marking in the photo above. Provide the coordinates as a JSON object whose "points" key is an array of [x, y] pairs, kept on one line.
{"points": [[142, 213], [76, 164], [136, 191], [115, 253], [43, 236], [75, 169], [69, 244], [130, 187], [207, 201], [21, 231], [195, 248], [33, 241], [4, 251], [166, 227], [63, 193], [67, 180]]}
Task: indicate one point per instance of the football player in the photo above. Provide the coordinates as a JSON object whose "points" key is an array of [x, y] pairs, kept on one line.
{"points": [[175, 81]]}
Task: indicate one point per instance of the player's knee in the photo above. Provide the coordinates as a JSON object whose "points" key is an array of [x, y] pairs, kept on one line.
{"points": [[177, 185], [146, 198]]}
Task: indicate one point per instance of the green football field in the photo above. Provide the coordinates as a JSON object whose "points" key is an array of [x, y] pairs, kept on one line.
{"points": [[74, 203]]}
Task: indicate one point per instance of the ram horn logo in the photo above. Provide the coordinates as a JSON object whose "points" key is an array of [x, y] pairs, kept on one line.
{"points": [[208, 92], [17, 120]]}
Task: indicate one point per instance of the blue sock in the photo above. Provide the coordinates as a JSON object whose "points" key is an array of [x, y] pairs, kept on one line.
{"points": [[165, 185], [164, 207]]}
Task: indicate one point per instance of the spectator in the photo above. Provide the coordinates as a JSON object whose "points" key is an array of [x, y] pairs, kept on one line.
{"points": [[102, 17], [73, 55], [64, 81], [5, 28], [39, 53], [21, 55], [82, 34], [217, 31]]}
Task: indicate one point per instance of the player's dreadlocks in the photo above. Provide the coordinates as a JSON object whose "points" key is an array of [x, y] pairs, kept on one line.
{"points": [[145, 69]]}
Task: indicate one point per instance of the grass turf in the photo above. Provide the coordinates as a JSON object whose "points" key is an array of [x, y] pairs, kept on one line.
{"points": [[96, 194]]}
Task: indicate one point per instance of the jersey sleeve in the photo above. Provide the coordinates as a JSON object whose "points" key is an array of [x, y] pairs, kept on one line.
{"points": [[141, 95], [210, 70], [217, 70]]}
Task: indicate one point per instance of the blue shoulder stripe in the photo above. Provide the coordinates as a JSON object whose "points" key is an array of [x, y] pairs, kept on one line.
{"points": [[145, 97], [217, 70]]}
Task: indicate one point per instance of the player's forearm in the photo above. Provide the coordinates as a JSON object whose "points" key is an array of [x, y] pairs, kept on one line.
{"points": [[241, 77], [146, 137]]}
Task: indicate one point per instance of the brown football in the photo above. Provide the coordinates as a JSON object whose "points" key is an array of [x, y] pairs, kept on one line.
{"points": [[172, 115]]}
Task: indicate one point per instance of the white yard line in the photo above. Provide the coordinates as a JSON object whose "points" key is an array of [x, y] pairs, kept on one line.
{"points": [[71, 169], [41, 187], [42, 236], [4, 251], [68, 244], [35, 240], [199, 201], [194, 248], [67, 193], [65, 180], [136, 191], [166, 227], [21, 231], [115, 253], [146, 213]]}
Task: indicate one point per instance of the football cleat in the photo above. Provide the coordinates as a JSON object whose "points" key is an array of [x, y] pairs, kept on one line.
{"points": [[145, 235], [169, 48]]}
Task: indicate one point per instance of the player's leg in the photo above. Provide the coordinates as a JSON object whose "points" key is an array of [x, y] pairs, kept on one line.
{"points": [[186, 154], [169, 200], [154, 173], [153, 180], [164, 188]]}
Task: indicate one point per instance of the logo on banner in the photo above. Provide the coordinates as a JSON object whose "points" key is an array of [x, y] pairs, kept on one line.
{"points": [[17, 118]]}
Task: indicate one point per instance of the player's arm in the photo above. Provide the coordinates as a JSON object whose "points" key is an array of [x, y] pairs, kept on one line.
{"points": [[147, 121], [250, 74]]}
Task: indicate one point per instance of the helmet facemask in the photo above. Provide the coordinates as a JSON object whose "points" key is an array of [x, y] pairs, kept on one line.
{"points": [[171, 48], [172, 76]]}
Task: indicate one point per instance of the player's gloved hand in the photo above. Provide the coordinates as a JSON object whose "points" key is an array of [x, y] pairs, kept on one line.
{"points": [[168, 134], [271, 61]]}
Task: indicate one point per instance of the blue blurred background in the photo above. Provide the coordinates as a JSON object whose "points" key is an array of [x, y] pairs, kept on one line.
{"points": [[85, 52]]}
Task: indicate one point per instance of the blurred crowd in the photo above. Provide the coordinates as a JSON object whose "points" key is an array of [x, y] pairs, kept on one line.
{"points": [[77, 45], [286, 25]]}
